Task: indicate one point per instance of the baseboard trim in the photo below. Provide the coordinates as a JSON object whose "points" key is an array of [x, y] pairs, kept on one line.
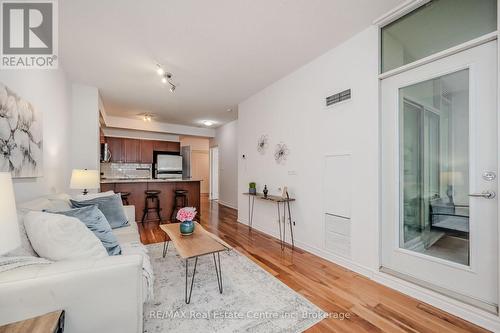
{"points": [[465, 311], [227, 205]]}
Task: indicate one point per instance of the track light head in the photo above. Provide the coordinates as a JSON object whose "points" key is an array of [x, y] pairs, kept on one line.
{"points": [[159, 70]]}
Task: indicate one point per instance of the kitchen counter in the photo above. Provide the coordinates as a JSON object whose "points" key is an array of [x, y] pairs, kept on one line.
{"points": [[150, 180], [167, 188]]}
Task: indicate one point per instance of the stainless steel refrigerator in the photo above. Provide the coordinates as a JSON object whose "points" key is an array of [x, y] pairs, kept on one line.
{"points": [[168, 166]]}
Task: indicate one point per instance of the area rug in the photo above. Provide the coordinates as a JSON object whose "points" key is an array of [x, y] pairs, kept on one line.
{"points": [[252, 299]]}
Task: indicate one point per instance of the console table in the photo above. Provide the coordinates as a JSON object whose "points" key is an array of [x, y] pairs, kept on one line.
{"points": [[286, 208]]}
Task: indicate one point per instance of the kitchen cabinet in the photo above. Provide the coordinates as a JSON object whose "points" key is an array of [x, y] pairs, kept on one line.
{"points": [[115, 146], [137, 196], [161, 146], [174, 147], [125, 150], [107, 187], [132, 149], [147, 151], [167, 146]]}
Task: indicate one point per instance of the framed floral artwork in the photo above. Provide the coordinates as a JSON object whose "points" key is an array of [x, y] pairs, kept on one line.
{"points": [[21, 139]]}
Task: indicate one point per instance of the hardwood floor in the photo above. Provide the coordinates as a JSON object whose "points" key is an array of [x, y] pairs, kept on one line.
{"points": [[371, 306]]}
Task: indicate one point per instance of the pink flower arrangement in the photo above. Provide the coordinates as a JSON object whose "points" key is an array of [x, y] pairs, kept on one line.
{"points": [[186, 214]]}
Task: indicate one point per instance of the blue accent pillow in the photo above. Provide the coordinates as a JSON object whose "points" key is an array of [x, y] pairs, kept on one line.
{"points": [[95, 220], [111, 206]]}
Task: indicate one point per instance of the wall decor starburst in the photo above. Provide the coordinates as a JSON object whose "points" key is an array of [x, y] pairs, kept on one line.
{"points": [[262, 144], [281, 152]]}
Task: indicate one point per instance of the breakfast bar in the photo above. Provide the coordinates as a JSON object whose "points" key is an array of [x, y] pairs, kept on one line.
{"points": [[138, 187]]}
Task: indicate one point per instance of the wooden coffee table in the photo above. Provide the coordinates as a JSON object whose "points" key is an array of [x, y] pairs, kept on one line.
{"points": [[200, 243]]}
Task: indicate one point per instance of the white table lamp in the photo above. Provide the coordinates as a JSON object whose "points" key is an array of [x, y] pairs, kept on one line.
{"points": [[83, 179], [9, 229]]}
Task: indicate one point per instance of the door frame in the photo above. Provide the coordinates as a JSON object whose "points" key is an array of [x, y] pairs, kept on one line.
{"points": [[461, 309], [211, 184]]}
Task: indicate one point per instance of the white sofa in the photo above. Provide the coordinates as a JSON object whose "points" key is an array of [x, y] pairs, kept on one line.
{"points": [[103, 295]]}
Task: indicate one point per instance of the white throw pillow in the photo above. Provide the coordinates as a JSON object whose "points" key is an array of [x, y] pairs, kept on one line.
{"points": [[59, 202], [59, 237], [81, 197], [38, 204]]}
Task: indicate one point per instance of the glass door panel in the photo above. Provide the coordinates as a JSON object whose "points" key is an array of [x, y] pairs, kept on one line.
{"points": [[434, 155]]}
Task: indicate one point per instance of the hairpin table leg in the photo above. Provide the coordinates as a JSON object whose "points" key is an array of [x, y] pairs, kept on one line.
{"points": [[290, 222], [165, 248], [251, 204], [218, 271], [188, 299]]}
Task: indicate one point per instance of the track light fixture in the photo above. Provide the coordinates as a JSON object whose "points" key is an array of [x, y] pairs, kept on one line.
{"points": [[147, 117], [159, 70], [166, 77]]}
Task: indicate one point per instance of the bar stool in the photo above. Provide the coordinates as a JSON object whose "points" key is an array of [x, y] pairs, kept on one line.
{"points": [[125, 196], [152, 196], [182, 196]]}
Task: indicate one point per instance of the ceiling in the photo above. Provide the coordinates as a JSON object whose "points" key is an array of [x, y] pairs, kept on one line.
{"points": [[220, 51]]}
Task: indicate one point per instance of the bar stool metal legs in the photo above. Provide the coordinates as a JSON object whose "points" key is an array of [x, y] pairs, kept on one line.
{"points": [[154, 197], [180, 195]]}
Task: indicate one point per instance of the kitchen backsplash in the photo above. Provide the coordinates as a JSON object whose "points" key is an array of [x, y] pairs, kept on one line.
{"points": [[125, 170]]}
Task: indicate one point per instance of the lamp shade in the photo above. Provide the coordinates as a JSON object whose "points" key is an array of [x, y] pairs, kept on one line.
{"points": [[84, 179], [9, 229]]}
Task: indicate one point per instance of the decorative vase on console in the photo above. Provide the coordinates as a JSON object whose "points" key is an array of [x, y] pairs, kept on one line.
{"points": [[265, 191], [186, 215]]}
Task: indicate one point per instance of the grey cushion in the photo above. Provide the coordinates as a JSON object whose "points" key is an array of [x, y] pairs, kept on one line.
{"points": [[111, 206], [95, 220]]}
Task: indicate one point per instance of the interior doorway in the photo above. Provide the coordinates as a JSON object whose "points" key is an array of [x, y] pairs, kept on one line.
{"points": [[214, 173]]}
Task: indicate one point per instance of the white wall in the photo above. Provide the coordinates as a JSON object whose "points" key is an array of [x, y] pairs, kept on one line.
{"points": [[292, 111], [226, 138], [85, 127], [50, 93], [196, 143]]}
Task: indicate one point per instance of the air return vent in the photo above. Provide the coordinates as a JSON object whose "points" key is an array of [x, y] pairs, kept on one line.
{"points": [[339, 97]]}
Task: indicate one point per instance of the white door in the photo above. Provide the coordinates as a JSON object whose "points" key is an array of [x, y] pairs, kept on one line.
{"points": [[214, 173], [439, 166]]}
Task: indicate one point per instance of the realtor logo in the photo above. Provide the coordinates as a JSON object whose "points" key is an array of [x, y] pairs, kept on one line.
{"points": [[29, 34]]}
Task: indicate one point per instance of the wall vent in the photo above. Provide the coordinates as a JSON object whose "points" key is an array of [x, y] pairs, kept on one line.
{"points": [[339, 97]]}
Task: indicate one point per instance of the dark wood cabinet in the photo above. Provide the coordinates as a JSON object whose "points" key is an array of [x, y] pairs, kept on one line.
{"points": [[115, 146], [132, 148], [136, 197], [107, 187], [174, 147], [167, 146], [147, 151], [193, 189], [124, 150], [166, 199], [161, 146]]}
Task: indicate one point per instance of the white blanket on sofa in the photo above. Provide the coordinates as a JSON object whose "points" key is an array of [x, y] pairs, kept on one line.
{"points": [[147, 269], [8, 263]]}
